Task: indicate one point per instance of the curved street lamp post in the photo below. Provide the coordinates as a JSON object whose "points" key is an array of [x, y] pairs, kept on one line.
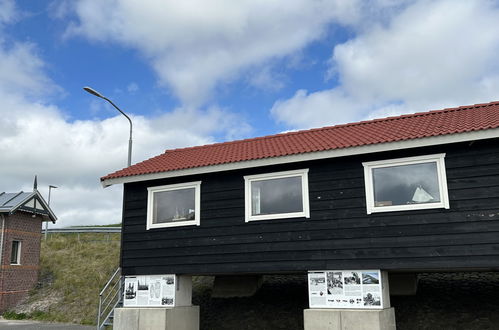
{"points": [[94, 92], [46, 222]]}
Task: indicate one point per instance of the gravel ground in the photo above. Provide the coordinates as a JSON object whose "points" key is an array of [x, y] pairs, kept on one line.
{"points": [[468, 301]]}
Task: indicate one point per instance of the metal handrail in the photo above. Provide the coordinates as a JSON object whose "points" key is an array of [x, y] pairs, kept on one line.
{"points": [[110, 280], [112, 294], [109, 304], [109, 298], [108, 315], [111, 290]]}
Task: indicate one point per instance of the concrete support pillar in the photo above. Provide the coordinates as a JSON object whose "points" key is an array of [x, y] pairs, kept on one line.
{"points": [[183, 295], [349, 319], [156, 318], [183, 316]]}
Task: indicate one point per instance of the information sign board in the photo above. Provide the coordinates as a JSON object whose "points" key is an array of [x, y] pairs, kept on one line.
{"points": [[149, 291], [345, 289]]}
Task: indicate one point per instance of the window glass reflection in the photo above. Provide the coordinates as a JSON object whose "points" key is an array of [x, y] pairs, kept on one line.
{"points": [[406, 184], [274, 196], [174, 205]]}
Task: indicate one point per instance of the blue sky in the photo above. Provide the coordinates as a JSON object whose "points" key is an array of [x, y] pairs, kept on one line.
{"points": [[125, 76], [197, 72]]}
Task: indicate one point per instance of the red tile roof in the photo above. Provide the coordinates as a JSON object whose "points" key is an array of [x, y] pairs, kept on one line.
{"points": [[406, 127]]}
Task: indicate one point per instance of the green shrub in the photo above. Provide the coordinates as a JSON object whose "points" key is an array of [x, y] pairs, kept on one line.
{"points": [[10, 315]]}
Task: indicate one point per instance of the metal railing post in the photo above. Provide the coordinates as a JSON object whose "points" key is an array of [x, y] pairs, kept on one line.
{"points": [[98, 314], [109, 298]]}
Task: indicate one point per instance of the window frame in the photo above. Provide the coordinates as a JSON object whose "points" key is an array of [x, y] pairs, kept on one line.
{"points": [[248, 179], [441, 175], [172, 187], [18, 252]]}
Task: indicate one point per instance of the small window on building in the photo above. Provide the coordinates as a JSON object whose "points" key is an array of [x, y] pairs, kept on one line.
{"points": [[174, 205], [277, 195], [15, 255], [411, 183]]}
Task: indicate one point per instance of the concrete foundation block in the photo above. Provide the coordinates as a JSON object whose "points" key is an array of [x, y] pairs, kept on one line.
{"points": [[349, 319], [152, 318], [176, 318], [383, 319], [183, 318], [126, 318], [321, 319]]}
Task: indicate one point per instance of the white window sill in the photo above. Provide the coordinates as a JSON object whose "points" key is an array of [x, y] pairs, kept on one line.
{"points": [[411, 207], [277, 216], [174, 224]]}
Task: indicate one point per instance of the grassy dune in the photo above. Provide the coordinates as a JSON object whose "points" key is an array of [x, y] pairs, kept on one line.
{"points": [[73, 270]]}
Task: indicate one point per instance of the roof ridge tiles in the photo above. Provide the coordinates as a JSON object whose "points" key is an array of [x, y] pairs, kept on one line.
{"points": [[325, 128]]}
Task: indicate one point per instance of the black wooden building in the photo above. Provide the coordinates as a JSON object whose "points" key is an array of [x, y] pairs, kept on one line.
{"points": [[411, 193]]}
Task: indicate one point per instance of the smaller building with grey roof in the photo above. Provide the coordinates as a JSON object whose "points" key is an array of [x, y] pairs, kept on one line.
{"points": [[21, 218]]}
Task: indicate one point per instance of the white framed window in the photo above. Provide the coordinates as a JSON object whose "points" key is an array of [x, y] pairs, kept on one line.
{"points": [[277, 195], [174, 205], [402, 184], [15, 253]]}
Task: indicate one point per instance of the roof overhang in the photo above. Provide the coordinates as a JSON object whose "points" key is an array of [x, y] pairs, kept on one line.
{"points": [[22, 206], [334, 153]]}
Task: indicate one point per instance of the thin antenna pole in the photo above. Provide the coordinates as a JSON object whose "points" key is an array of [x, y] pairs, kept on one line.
{"points": [[47, 223]]}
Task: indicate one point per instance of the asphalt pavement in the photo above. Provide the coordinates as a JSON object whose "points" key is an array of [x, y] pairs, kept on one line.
{"points": [[34, 325]]}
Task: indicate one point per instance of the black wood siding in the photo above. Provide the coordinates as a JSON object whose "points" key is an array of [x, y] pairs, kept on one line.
{"points": [[338, 235]]}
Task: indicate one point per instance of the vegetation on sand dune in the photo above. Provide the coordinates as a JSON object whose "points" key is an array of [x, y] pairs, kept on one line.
{"points": [[73, 270]]}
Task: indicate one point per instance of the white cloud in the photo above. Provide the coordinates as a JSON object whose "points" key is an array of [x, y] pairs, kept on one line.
{"points": [[195, 45], [8, 11], [431, 54], [266, 79], [426, 51], [405, 56], [28, 79], [132, 87], [305, 109], [37, 138], [59, 9]]}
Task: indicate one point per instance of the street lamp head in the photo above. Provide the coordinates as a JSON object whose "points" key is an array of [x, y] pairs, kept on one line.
{"points": [[93, 92], [51, 186]]}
